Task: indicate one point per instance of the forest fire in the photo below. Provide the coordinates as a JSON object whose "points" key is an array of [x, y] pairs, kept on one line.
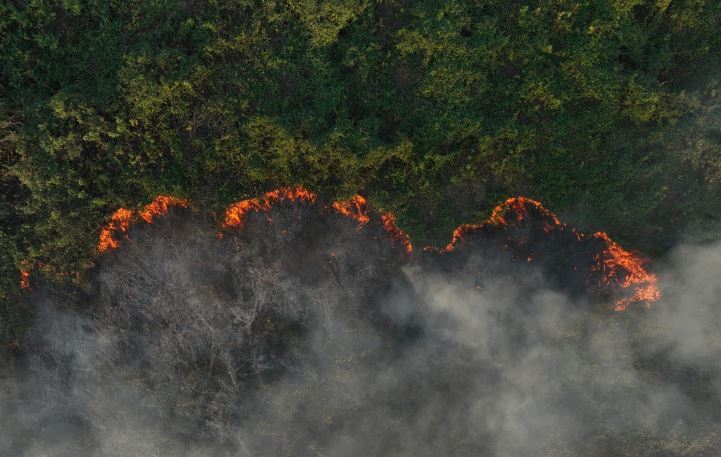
{"points": [[532, 233], [509, 214], [517, 207], [25, 279], [519, 227], [457, 237], [235, 215], [117, 227], [396, 234], [519, 211], [356, 208], [160, 206], [624, 269]]}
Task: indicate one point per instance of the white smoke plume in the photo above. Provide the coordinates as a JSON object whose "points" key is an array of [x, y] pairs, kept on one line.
{"points": [[304, 335]]}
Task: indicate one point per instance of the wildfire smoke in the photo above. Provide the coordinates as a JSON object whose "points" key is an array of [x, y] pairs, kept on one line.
{"points": [[313, 328], [520, 221]]}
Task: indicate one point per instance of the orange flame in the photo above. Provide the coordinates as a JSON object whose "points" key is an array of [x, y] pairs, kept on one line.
{"points": [[235, 214], [25, 279], [117, 226], [160, 206], [518, 206], [119, 223], [396, 235], [618, 267], [625, 269], [25, 268], [356, 208], [458, 235]]}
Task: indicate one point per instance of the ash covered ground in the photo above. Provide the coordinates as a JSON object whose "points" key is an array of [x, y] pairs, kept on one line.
{"points": [[299, 329]]}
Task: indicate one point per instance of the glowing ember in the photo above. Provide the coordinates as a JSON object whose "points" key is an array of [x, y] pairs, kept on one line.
{"points": [[513, 211], [618, 268], [25, 279], [119, 223], [624, 269], [236, 213], [159, 207], [458, 235], [355, 208], [518, 208], [519, 225], [116, 227], [396, 235]]}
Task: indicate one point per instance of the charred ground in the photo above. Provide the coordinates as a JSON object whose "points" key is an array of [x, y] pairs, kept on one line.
{"points": [[293, 328]]}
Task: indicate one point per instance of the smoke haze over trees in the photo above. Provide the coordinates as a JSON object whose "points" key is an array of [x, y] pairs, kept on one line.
{"points": [[307, 333], [605, 111]]}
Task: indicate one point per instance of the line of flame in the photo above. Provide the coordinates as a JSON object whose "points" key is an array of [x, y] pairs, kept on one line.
{"points": [[611, 262], [120, 221], [236, 213], [396, 234], [25, 279], [355, 208], [614, 258]]}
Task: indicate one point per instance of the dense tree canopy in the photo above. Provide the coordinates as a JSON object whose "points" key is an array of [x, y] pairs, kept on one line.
{"points": [[607, 111]]}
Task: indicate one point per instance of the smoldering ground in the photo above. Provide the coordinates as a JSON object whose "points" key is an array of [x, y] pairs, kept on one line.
{"points": [[307, 333]]}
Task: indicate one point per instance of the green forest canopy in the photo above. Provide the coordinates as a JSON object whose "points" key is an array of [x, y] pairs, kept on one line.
{"points": [[607, 111]]}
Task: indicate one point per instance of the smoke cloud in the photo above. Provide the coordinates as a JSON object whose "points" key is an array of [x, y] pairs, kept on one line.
{"points": [[309, 333]]}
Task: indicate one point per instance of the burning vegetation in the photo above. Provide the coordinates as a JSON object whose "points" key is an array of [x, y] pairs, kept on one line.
{"points": [[25, 279], [355, 208], [117, 227], [396, 234], [520, 228], [625, 270], [574, 261], [320, 324], [236, 214]]}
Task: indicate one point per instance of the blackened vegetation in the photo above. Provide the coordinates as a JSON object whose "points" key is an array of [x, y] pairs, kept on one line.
{"points": [[208, 320], [308, 332], [524, 240]]}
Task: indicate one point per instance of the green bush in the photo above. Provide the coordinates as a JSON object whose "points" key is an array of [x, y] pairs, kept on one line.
{"points": [[607, 111]]}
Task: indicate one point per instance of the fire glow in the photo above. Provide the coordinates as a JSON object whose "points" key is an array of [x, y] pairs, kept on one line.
{"points": [[356, 208], [235, 215], [396, 234], [117, 228], [615, 268], [516, 209], [625, 270], [25, 279]]}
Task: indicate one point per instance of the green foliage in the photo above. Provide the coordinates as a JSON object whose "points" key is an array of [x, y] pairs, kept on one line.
{"points": [[607, 111]]}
